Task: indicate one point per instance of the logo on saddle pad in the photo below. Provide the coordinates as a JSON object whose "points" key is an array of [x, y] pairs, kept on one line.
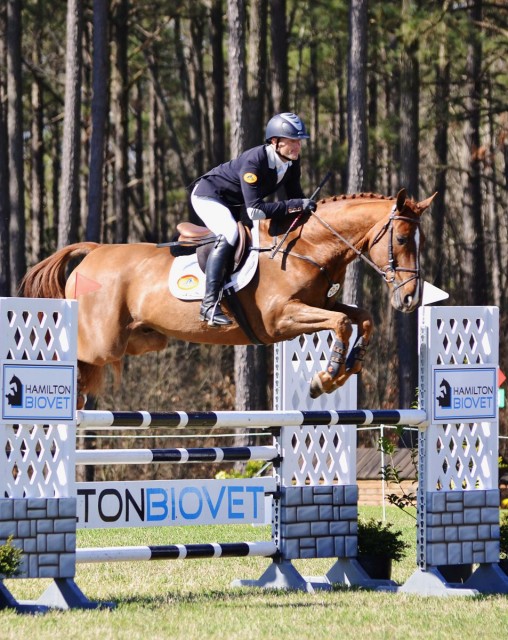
{"points": [[187, 280]]}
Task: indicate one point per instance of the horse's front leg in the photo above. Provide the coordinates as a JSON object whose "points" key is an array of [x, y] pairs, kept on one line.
{"points": [[342, 366], [300, 318]]}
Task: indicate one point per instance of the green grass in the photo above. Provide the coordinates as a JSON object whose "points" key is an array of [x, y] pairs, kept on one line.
{"points": [[193, 599]]}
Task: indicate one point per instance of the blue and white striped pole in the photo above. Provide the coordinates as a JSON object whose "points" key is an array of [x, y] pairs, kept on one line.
{"points": [[177, 552], [245, 419], [181, 456]]}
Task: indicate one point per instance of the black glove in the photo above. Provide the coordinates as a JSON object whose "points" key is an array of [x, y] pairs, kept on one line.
{"points": [[298, 205], [309, 206]]}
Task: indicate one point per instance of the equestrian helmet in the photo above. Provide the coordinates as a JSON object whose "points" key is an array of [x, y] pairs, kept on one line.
{"points": [[286, 125]]}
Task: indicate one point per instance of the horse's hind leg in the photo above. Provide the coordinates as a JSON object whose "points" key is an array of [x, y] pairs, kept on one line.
{"points": [[90, 382]]}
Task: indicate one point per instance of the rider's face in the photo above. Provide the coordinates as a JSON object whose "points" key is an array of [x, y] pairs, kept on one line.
{"points": [[288, 148]]}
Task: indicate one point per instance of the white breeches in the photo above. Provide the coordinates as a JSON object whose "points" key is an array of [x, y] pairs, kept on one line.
{"points": [[216, 217]]}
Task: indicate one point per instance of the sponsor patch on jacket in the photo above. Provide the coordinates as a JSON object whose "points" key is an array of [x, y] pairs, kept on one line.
{"points": [[250, 178]]}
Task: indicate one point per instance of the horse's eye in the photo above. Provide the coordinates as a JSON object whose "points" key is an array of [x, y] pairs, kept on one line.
{"points": [[401, 240]]}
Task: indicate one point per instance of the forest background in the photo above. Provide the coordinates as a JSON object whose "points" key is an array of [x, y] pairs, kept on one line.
{"points": [[110, 109]]}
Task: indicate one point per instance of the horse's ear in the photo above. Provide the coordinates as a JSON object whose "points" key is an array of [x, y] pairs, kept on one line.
{"points": [[401, 199], [424, 204]]}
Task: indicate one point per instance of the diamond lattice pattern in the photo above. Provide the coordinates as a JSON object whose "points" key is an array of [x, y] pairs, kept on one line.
{"points": [[461, 457], [35, 335], [321, 454], [35, 460], [318, 455], [463, 340]]}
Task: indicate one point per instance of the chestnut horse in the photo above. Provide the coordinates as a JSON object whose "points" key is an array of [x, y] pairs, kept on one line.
{"points": [[131, 311]]}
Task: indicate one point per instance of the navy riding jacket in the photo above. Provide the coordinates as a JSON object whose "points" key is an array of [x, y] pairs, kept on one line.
{"points": [[246, 180]]}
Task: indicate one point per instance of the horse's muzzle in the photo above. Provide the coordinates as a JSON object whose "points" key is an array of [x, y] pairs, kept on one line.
{"points": [[406, 299]]}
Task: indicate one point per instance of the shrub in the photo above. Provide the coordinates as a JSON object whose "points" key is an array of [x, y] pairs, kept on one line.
{"points": [[378, 538], [253, 468], [503, 542], [10, 559]]}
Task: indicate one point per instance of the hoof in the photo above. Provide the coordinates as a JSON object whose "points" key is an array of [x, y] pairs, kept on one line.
{"points": [[316, 387], [81, 401]]}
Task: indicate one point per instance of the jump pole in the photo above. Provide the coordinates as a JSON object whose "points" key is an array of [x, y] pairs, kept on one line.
{"points": [[177, 552], [94, 420]]}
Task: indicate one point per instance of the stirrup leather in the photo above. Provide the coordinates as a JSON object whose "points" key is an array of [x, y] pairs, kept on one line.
{"points": [[213, 315]]}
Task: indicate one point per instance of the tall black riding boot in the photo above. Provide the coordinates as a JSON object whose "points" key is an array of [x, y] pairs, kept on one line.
{"points": [[216, 268]]}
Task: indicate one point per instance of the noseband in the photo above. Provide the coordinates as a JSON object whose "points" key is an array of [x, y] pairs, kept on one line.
{"points": [[388, 274]]}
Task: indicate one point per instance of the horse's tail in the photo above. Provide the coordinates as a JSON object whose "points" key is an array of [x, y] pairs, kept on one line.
{"points": [[47, 278]]}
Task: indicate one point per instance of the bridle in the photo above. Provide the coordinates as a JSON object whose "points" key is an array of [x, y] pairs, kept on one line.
{"points": [[388, 274]]}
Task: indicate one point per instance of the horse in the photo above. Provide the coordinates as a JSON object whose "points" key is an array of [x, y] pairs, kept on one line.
{"points": [[302, 265]]}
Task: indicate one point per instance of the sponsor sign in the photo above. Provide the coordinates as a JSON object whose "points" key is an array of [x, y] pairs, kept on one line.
{"points": [[38, 391], [172, 502], [464, 394]]}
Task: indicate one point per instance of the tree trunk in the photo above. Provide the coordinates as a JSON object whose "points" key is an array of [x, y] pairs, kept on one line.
{"points": [[37, 149], [99, 108], [357, 130], [201, 137], [493, 235], [218, 100], [138, 193], [279, 49], [250, 374], [5, 268], [15, 139], [168, 120], [434, 257], [153, 167], [314, 146], [69, 194], [237, 76], [406, 323], [250, 377], [476, 283], [119, 108], [340, 123], [256, 71]]}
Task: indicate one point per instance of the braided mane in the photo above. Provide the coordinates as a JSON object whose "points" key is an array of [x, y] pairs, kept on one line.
{"points": [[352, 196]]}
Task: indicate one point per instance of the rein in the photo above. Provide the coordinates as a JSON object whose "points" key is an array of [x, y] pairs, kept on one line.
{"points": [[387, 274]]}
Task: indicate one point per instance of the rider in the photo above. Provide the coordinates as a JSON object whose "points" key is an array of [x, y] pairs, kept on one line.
{"points": [[220, 194]]}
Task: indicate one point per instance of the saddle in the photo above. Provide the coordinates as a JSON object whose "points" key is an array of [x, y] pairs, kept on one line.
{"points": [[191, 248], [201, 240]]}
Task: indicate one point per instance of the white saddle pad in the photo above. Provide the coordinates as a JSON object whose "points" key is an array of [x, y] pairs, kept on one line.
{"points": [[187, 280]]}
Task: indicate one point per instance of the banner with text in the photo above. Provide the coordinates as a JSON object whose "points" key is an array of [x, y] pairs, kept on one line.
{"points": [[172, 502]]}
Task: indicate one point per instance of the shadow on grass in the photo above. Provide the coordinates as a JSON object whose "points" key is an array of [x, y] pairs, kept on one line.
{"points": [[264, 597]]}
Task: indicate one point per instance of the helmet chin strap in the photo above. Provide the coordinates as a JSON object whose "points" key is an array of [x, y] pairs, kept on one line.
{"points": [[279, 153]]}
